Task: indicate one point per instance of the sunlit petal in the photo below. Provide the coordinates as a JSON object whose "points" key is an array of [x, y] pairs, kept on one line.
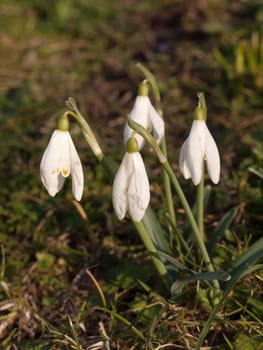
{"points": [[182, 160], [138, 189], [120, 186], [76, 171], [195, 154], [157, 124], [52, 182], [212, 157], [139, 114], [55, 162]]}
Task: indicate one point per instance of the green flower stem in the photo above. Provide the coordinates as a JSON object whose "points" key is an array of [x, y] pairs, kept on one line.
{"points": [[149, 138], [200, 206], [168, 190]]}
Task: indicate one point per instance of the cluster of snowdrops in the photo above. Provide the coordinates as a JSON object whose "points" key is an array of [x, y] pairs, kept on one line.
{"points": [[131, 189]]}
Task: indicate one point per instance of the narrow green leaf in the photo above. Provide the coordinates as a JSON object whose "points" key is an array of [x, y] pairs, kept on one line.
{"points": [[209, 276], [202, 276], [173, 261], [122, 319], [258, 172], [223, 225], [255, 248], [157, 234], [249, 258], [252, 269]]}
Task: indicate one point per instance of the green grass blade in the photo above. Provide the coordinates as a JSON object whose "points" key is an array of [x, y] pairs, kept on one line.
{"points": [[252, 269], [223, 225], [173, 261], [122, 319], [258, 172], [255, 248], [241, 265]]}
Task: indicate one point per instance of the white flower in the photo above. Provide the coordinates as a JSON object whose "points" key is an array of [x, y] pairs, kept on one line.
{"points": [[59, 160], [199, 146], [131, 189], [145, 114]]}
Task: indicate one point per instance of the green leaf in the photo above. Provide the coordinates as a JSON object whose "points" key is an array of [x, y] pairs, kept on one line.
{"points": [[173, 261], [252, 269], [157, 234], [202, 276], [258, 172], [255, 249], [122, 319], [240, 266], [223, 225]]}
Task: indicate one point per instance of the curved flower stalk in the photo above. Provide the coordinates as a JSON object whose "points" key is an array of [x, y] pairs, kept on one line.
{"points": [[197, 148], [144, 114], [131, 189], [59, 160]]}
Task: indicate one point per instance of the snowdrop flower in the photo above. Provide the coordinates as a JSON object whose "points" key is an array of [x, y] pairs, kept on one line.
{"points": [[131, 189], [197, 148], [59, 160], [145, 114]]}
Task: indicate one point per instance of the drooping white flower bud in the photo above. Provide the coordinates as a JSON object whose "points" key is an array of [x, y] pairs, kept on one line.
{"points": [[199, 147], [59, 160], [131, 189], [145, 114]]}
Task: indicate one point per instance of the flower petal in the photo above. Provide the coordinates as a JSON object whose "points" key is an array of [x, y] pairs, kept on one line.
{"points": [[195, 155], [55, 164], [76, 171], [53, 183], [120, 185], [182, 160], [157, 124], [212, 157], [139, 114], [138, 189]]}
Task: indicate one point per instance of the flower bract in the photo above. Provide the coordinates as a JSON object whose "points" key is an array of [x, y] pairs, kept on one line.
{"points": [[197, 148], [131, 189], [59, 160]]}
